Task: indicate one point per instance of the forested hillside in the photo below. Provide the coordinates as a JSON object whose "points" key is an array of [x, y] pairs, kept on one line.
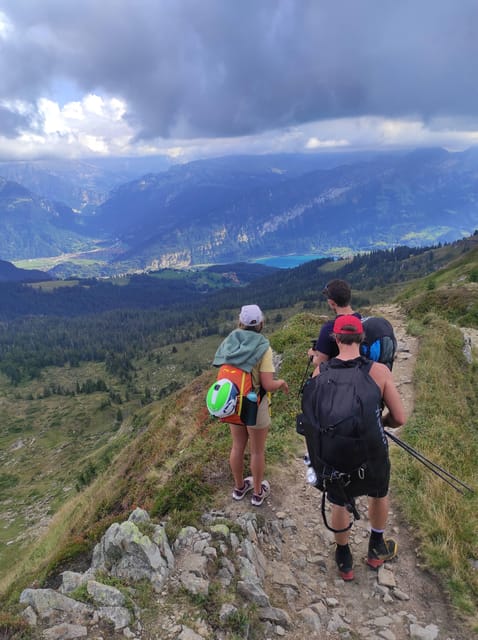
{"points": [[10, 273], [88, 320]]}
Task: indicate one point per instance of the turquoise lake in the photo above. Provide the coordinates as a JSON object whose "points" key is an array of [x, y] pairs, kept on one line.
{"points": [[288, 262]]}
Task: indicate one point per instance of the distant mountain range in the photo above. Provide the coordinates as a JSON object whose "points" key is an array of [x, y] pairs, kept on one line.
{"points": [[79, 184], [241, 208]]}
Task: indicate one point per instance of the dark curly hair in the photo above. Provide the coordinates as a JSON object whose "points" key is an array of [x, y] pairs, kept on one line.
{"points": [[339, 291]]}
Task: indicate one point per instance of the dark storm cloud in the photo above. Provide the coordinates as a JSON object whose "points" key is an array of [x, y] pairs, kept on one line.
{"points": [[227, 67]]}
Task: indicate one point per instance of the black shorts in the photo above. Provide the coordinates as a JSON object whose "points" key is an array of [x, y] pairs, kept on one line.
{"points": [[375, 484]]}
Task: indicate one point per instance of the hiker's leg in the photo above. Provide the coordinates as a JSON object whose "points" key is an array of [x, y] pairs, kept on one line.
{"points": [[378, 502], [340, 519], [380, 549], [236, 457], [257, 446], [378, 512]]}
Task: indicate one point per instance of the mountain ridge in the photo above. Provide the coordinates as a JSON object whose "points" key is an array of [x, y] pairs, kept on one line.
{"points": [[350, 208], [244, 208]]}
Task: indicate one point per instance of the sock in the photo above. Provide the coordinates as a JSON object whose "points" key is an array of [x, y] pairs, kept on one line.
{"points": [[376, 537], [343, 555]]}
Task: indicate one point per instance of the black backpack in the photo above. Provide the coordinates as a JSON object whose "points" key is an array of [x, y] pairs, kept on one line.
{"points": [[341, 422], [380, 343]]}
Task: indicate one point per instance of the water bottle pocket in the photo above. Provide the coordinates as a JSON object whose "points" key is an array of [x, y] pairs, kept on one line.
{"points": [[249, 409]]}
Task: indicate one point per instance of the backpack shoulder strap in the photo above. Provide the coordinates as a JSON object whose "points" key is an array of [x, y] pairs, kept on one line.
{"points": [[365, 364]]}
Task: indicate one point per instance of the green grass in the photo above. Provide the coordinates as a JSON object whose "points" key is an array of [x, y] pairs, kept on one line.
{"points": [[451, 292], [52, 285], [13, 627], [44, 264], [53, 446], [444, 428]]}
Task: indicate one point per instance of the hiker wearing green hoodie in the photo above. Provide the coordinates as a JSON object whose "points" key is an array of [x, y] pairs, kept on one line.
{"points": [[248, 349]]}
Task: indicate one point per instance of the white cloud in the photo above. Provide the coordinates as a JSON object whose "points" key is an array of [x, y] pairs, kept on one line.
{"points": [[73, 111], [53, 120], [175, 152], [94, 104], [16, 106], [91, 125], [6, 27], [97, 124], [316, 143], [94, 143]]}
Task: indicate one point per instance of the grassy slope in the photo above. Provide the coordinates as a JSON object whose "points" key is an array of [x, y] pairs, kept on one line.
{"points": [[444, 427], [51, 445], [173, 467]]}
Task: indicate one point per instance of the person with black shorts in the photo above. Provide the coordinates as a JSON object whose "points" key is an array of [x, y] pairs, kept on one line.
{"points": [[348, 334]]}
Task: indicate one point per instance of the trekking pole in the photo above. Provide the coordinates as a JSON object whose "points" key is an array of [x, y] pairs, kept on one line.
{"points": [[302, 383], [442, 473], [304, 377], [419, 456]]}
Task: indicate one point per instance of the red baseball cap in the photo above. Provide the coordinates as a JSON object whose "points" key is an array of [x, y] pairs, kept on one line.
{"points": [[348, 325]]}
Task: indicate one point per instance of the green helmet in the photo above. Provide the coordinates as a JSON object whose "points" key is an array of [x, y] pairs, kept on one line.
{"points": [[221, 398]]}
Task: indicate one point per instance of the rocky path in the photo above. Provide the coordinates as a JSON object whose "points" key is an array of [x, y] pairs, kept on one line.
{"points": [[399, 602]]}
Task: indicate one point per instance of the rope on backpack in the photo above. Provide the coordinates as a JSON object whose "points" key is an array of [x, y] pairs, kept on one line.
{"points": [[349, 501]]}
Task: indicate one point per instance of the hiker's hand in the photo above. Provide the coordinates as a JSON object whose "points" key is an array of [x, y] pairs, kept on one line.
{"points": [[284, 386], [389, 422]]}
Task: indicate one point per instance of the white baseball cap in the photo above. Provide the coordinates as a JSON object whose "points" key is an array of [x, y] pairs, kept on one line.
{"points": [[250, 315]]}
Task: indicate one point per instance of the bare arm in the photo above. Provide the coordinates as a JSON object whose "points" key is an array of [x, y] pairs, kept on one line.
{"points": [[395, 415], [269, 384]]}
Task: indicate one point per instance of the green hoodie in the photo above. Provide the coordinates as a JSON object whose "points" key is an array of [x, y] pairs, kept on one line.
{"points": [[242, 349]]}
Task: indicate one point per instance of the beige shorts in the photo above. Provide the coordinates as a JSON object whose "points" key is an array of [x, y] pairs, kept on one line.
{"points": [[263, 415]]}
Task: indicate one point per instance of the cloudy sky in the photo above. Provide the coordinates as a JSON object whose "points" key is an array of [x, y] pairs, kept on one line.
{"points": [[193, 78]]}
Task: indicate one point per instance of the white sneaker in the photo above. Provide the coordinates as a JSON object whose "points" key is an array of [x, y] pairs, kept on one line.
{"points": [[257, 500], [239, 494]]}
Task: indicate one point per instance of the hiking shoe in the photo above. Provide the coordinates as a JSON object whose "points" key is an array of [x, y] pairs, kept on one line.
{"points": [[256, 499], [238, 494], [386, 550], [343, 558]]}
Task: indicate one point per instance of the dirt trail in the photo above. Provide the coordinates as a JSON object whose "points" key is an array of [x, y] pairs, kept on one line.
{"points": [[415, 607]]}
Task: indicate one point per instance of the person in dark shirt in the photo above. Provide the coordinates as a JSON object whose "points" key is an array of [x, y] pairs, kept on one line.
{"points": [[339, 295]]}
